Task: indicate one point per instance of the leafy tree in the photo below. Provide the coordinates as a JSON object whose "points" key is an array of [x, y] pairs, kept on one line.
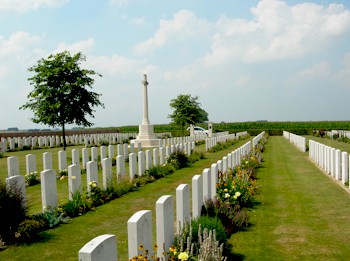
{"points": [[187, 111], [60, 95]]}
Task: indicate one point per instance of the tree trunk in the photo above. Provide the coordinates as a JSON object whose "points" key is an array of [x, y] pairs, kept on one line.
{"points": [[64, 137]]}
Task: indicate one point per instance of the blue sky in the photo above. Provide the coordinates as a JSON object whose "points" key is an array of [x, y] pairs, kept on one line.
{"points": [[245, 60]]}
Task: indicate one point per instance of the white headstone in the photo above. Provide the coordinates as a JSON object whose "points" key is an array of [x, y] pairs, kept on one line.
{"points": [[48, 189], [101, 248], [183, 212], [74, 180], [164, 223], [140, 232]]}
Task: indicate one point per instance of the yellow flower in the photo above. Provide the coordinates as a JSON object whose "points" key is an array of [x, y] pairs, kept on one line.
{"points": [[225, 190], [73, 177], [183, 256], [237, 193], [62, 177], [227, 195], [172, 249]]}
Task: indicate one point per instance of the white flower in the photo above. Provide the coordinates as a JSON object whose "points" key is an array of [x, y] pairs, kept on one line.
{"points": [[227, 195], [73, 177]]}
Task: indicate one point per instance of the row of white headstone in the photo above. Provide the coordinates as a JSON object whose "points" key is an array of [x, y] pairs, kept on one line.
{"points": [[55, 141], [211, 142], [138, 164], [340, 133], [79, 139], [122, 149], [140, 231], [298, 141], [333, 161]]}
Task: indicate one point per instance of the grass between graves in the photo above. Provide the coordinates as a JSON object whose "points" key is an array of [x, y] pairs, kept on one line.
{"points": [[64, 242], [304, 215]]}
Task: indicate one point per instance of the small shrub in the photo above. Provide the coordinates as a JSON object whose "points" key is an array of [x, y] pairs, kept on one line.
{"points": [[29, 229], [13, 211], [52, 217], [77, 206], [2, 155], [194, 233], [62, 174], [32, 178], [178, 159]]}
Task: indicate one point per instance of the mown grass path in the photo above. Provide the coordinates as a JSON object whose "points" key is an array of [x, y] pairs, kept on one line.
{"points": [[304, 215]]}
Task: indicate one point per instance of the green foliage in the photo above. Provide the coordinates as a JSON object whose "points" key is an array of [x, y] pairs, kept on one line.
{"points": [[195, 156], [60, 95], [178, 159], [160, 171], [32, 178], [187, 111], [195, 231], [62, 174], [28, 230], [52, 217], [2, 155], [78, 206], [13, 211]]}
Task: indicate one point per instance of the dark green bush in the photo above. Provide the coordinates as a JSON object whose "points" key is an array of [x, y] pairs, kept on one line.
{"points": [[178, 159], [28, 230], [13, 211]]}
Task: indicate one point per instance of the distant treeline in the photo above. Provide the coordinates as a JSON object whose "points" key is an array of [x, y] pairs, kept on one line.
{"points": [[255, 127]]}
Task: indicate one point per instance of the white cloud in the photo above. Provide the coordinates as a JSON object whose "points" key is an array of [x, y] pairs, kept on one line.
{"points": [[183, 27], [82, 46], [113, 65], [17, 43], [277, 31], [22, 6], [138, 21], [118, 2]]}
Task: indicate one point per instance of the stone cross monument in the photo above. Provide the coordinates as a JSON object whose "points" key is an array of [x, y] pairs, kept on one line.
{"points": [[146, 136]]}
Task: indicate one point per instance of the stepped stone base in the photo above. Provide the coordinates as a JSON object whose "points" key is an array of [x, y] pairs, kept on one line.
{"points": [[146, 136]]}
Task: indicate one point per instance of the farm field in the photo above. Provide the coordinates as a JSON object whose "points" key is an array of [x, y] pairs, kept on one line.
{"points": [[303, 214]]}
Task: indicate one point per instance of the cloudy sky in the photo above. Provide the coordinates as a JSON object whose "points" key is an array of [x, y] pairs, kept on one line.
{"points": [[246, 60]]}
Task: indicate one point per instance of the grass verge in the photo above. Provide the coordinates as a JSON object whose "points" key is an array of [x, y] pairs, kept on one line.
{"points": [[303, 215]]}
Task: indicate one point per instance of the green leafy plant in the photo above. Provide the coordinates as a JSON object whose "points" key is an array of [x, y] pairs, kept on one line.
{"points": [[52, 217], [77, 206], [32, 178], [62, 174]]}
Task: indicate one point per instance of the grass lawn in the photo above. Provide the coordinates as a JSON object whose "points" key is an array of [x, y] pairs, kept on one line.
{"points": [[303, 215], [64, 242]]}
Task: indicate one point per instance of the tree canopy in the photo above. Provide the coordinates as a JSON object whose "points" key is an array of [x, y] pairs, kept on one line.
{"points": [[186, 111], [60, 94]]}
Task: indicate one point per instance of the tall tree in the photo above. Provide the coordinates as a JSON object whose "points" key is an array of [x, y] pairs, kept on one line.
{"points": [[187, 111], [60, 94]]}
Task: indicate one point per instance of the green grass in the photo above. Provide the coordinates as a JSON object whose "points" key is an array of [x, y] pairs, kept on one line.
{"points": [[64, 242], [303, 215]]}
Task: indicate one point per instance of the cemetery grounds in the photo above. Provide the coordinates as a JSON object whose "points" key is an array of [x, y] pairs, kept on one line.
{"points": [[303, 213]]}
